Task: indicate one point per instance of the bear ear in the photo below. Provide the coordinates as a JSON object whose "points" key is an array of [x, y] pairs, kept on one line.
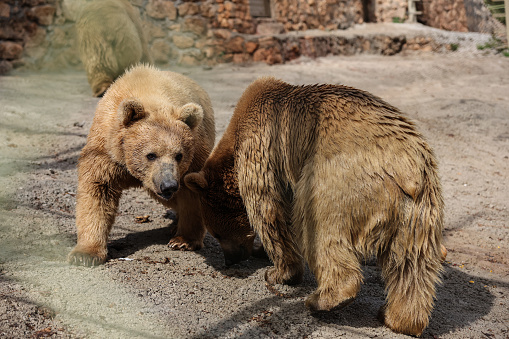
{"points": [[191, 114], [131, 111], [196, 182]]}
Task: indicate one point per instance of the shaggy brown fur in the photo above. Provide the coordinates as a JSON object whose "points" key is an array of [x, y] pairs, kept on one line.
{"points": [[110, 40], [330, 174], [150, 129]]}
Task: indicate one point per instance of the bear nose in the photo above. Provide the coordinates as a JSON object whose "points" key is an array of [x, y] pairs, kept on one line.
{"points": [[228, 262], [168, 187], [233, 258]]}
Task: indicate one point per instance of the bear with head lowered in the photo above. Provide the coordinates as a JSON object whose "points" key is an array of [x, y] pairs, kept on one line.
{"points": [[149, 130], [328, 174], [111, 39]]}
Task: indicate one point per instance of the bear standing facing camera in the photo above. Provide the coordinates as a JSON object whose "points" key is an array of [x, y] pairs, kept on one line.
{"points": [[329, 174], [149, 130]]}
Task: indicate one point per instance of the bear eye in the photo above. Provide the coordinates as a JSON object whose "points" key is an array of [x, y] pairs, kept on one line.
{"points": [[178, 157], [151, 156]]}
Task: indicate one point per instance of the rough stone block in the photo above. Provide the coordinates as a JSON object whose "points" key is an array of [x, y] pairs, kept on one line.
{"points": [[195, 25], [5, 67], [5, 10], [183, 41], [10, 50], [188, 8], [235, 45], [251, 46], [189, 60], [43, 15], [161, 9], [160, 51]]}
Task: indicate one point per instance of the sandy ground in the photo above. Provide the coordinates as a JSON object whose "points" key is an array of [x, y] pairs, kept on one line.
{"points": [[460, 101]]}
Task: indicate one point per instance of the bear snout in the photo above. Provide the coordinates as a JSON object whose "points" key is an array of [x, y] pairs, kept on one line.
{"points": [[230, 260], [232, 257], [165, 181], [168, 187]]}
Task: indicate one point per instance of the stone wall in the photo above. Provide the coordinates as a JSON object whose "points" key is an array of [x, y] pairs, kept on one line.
{"points": [[176, 33], [33, 31], [40, 34], [280, 48], [460, 16], [233, 15], [479, 19], [449, 15], [388, 10], [297, 15]]}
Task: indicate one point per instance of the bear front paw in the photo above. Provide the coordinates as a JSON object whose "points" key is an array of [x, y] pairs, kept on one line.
{"points": [[85, 259], [273, 276], [179, 243]]}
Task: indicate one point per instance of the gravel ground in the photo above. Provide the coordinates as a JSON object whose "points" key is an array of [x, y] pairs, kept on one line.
{"points": [[460, 101]]}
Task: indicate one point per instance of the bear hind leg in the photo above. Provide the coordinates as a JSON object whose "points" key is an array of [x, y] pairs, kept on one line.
{"points": [[410, 285], [339, 279], [99, 82], [333, 262], [324, 234]]}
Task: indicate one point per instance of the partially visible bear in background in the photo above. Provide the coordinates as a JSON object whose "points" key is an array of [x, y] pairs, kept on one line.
{"points": [[329, 174], [149, 130], [110, 40]]}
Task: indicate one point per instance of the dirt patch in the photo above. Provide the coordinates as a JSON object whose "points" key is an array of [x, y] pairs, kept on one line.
{"points": [[460, 103]]}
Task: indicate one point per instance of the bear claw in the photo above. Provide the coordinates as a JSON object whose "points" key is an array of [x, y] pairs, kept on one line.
{"points": [[85, 259], [178, 243]]}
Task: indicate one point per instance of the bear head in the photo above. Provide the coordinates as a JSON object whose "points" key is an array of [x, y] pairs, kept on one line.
{"points": [[156, 142], [223, 211]]}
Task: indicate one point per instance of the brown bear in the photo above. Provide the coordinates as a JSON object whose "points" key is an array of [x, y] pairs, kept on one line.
{"points": [[330, 174], [149, 130], [110, 39]]}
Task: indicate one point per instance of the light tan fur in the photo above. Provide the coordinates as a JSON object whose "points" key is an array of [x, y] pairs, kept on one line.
{"points": [[149, 130], [331, 174], [110, 40]]}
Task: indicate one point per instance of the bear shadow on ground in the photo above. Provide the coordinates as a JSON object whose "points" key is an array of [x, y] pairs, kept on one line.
{"points": [[457, 298], [136, 241], [459, 303], [211, 251], [214, 257], [133, 242], [461, 300]]}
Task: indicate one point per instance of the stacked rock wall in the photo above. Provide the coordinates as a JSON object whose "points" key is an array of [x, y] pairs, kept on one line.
{"points": [[480, 19], [40, 34], [297, 15], [449, 15], [389, 10], [460, 16], [33, 32], [229, 14], [176, 33]]}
